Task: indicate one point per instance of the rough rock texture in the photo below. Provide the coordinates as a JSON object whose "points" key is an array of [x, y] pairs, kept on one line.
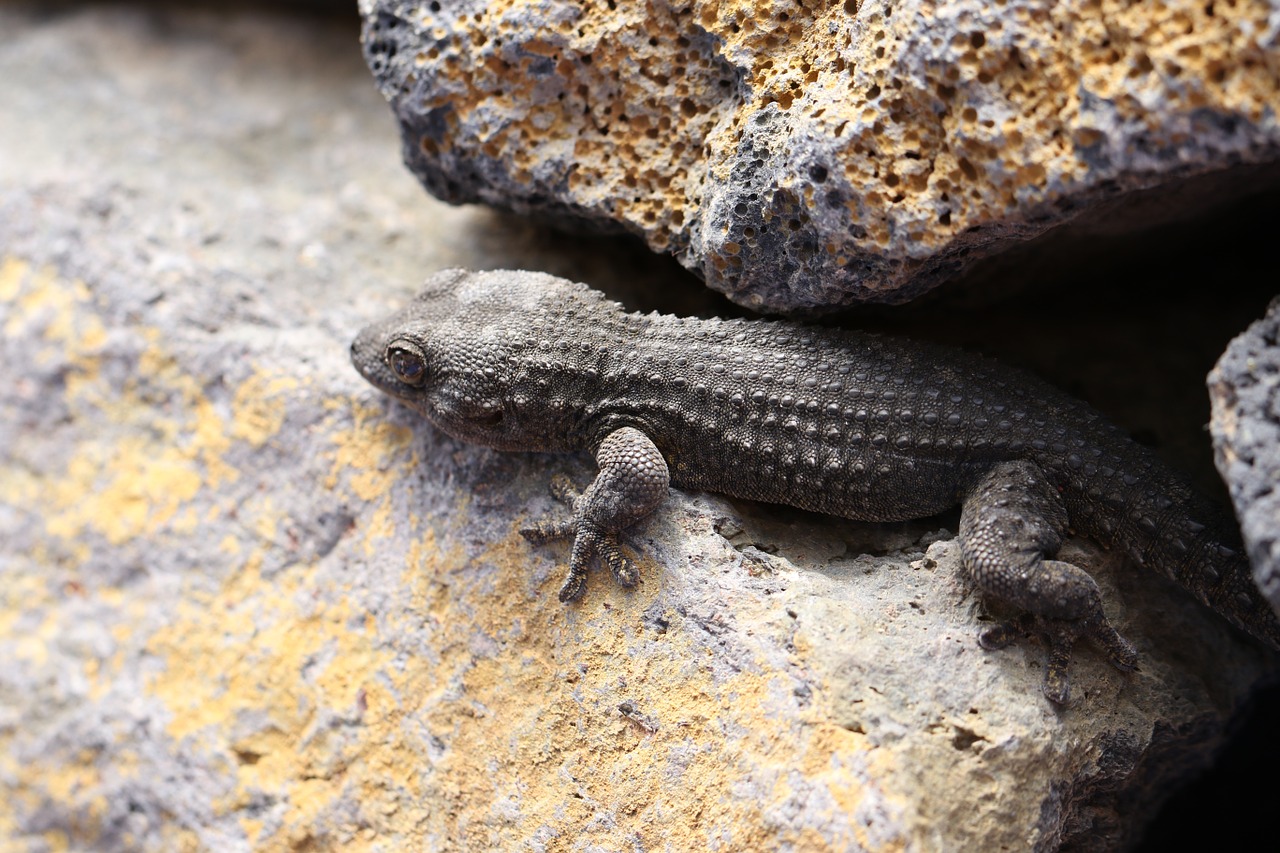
{"points": [[1244, 388], [247, 603], [802, 155]]}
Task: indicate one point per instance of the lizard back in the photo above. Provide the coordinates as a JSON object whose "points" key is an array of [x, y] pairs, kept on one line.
{"points": [[852, 424]]}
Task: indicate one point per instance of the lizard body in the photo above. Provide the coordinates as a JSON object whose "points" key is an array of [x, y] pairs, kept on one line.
{"points": [[851, 424]]}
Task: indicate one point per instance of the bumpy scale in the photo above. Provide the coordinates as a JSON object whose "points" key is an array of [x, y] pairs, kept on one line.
{"points": [[851, 424]]}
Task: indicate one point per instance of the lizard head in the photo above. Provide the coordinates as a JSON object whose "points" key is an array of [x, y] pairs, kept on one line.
{"points": [[447, 354]]}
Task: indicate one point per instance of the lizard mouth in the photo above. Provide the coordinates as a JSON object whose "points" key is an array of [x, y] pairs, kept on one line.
{"points": [[491, 421]]}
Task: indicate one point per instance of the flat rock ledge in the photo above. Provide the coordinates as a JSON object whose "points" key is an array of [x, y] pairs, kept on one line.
{"points": [[375, 659], [809, 156], [1244, 389]]}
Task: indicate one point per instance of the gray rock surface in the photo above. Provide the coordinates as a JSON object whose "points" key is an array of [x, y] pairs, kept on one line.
{"points": [[1244, 388], [800, 156], [246, 603]]}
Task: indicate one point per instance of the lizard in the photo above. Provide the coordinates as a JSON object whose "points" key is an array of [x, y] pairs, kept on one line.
{"points": [[842, 422]]}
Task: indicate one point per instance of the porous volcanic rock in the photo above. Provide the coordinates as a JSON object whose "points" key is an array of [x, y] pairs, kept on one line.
{"points": [[807, 155], [1244, 388]]}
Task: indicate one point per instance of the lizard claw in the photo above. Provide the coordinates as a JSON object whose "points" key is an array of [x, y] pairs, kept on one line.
{"points": [[574, 585]]}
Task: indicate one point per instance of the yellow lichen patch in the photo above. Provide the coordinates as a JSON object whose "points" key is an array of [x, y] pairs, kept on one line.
{"points": [[136, 467], [256, 673], [827, 756], [510, 726], [365, 450], [377, 527], [23, 595], [259, 406], [122, 491], [238, 684], [61, 310], [198, 692], [32, 627], [13, 272], [535, 733], [213, 442], [38, 296]]}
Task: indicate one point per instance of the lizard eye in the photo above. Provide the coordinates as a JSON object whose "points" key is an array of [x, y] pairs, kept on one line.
{"points": [[407, 362]]}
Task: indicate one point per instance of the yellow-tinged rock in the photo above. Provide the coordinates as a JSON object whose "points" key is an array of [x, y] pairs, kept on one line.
{"points": [[802, 156]]}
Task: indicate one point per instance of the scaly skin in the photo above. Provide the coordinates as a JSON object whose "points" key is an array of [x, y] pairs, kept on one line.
{"points": [[851, 424]]}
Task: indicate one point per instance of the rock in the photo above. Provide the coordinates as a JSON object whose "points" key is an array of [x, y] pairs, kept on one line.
{"points": [[246, 602], [1244, 388], [805, 156]]}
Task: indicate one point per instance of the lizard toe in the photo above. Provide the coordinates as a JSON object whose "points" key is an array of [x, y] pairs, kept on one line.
{"points": [[624, 571], [1122, 653], [1061, 637], [1004, 633], [574, 586], [564, 490], [547, 530]]}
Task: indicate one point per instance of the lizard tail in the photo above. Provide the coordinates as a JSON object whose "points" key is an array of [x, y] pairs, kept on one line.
{"points": [[1216, 569], [1161, 521]]}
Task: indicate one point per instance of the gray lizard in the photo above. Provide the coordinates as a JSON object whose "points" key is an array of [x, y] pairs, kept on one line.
{"points": [[856, 425]]}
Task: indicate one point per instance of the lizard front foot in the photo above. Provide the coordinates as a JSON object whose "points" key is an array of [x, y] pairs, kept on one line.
{"points": [[632, 482], [588, 543]]}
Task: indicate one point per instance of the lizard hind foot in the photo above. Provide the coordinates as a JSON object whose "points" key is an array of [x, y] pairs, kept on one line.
{"points": [[589, 546], [607, 551], [1060, 637], [1056, 685], [622, 569], [1011, 526]]}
